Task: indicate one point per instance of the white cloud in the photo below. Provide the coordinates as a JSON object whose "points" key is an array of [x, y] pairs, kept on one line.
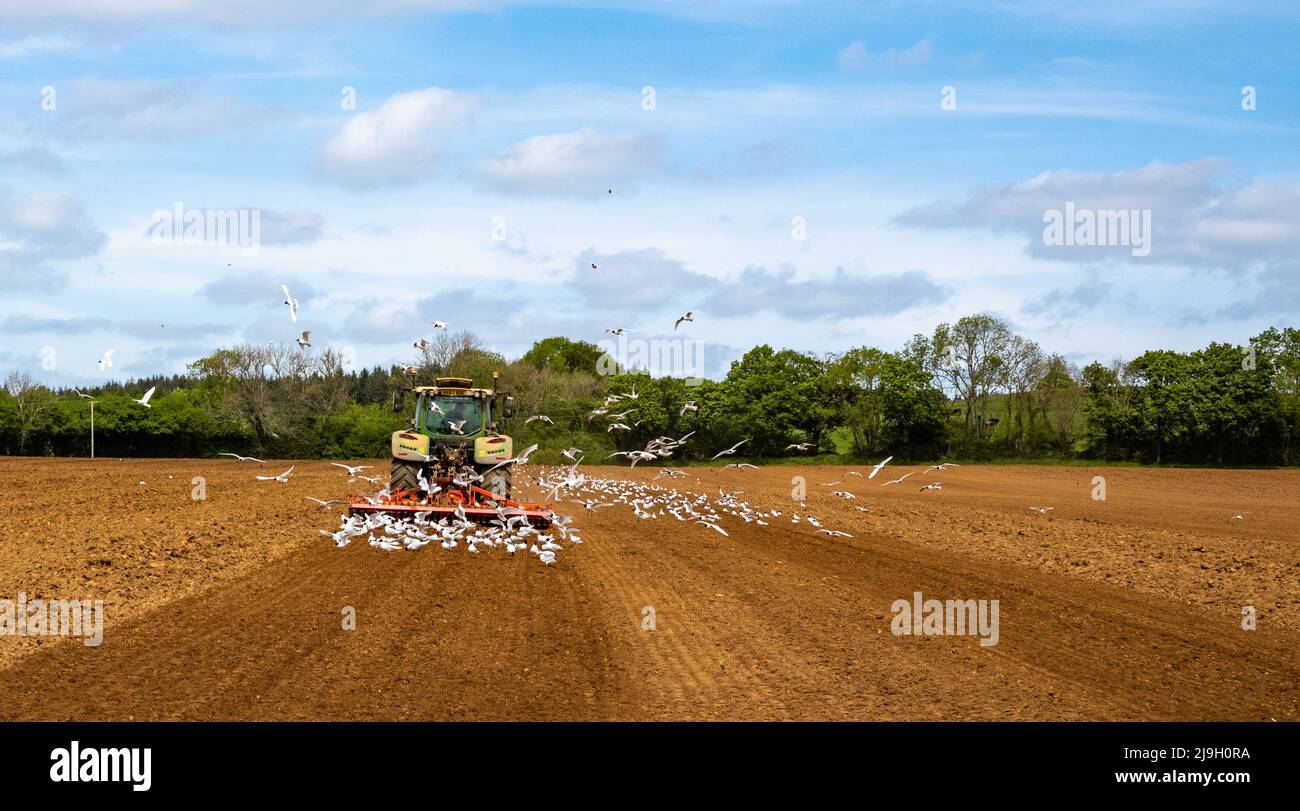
{"points": [[1197, 218], [856, 57], [21, 48], [398, 143], [92, 110], [571, 164]]}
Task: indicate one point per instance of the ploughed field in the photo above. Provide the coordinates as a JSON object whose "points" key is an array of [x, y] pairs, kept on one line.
{"points": [[233, 606]]}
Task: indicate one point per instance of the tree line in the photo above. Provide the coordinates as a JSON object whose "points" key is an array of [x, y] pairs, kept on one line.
{"points": [[972, 389]]}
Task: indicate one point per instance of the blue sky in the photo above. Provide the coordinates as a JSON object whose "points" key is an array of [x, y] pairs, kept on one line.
{"points": [[469, 183]]}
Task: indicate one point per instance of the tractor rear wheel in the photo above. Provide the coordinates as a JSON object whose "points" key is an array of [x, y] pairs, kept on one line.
{"points": [[498, 483], [406, 476]]}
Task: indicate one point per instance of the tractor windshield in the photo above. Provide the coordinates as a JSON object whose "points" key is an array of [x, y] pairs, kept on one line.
{"points": [[460, 415]]}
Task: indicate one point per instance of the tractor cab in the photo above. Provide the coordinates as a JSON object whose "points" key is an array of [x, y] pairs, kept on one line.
{"points": [[453, 408]]}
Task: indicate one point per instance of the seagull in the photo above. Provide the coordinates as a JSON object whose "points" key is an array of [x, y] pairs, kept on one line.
{"points": [[834, 533], [617, 426], [689, 405], [593, 265], [283, 478], [896, 481], [1042, 510], [144, 401], [305, 340], [798, 446], [421, 345], [106, 362], [842, 494], [943, 466], [690, 316], [80, 394], [878, 468], [352, 471], [730, 450], [541, 417], [932, 486], [239, 458], [520, 459], [323, 504], [439, 324], [572, 453], [456, 425], [291, 303], [714, 527], [616, 331], [740, 466]]}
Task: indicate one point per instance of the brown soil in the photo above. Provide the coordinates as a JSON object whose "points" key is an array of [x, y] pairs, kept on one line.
{"points": [[230, 608]]}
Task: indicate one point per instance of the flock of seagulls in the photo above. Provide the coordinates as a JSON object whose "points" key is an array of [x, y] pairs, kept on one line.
{"points": [[510, 532]]}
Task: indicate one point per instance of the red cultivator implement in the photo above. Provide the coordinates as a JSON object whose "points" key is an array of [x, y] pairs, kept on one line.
{"points": [[475, 503]]}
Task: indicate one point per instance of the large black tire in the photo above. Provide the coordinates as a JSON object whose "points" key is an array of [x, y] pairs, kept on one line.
{"points": [[498, 483], [405, 476]]}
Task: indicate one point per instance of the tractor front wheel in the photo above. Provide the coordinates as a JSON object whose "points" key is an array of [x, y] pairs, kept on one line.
{"points": [[406, 476], [498, 483]]}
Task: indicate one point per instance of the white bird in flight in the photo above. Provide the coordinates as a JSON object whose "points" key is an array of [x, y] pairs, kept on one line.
{"points": [[144, 401], [690, 316], [1042, 510], [291, 303], [352, 471], [689, 405], [305, 340], [283, 478], [898, 480], [439, 324], [239, 458], [731, 450], [878, 468], [541, 417], [106, 362]]}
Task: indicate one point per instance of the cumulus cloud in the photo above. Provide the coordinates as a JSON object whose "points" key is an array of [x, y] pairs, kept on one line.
{"points": [[292, 228], [630, 282], [40, 228], [841, 295], [399, 143], [152, 110], [855, 56], [1197, 218], [584, 163], [1067, 303], [1276, 293]]}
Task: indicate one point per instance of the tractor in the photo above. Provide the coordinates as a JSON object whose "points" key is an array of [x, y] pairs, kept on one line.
{"points": [[447, 446]]}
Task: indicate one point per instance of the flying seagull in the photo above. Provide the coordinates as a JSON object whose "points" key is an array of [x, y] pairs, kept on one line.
{"points": [[144, 401], [106, 362], [291, 303], [305, 340], [690, 316], [439, 324], [283, 478], [352, 471], [731, 450], [878, 468], [689, 405], [82, 394], [541, 417], [239, 458]]}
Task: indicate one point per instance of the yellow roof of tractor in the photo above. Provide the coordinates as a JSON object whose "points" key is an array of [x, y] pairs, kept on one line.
{"points": [[454, 387]]}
